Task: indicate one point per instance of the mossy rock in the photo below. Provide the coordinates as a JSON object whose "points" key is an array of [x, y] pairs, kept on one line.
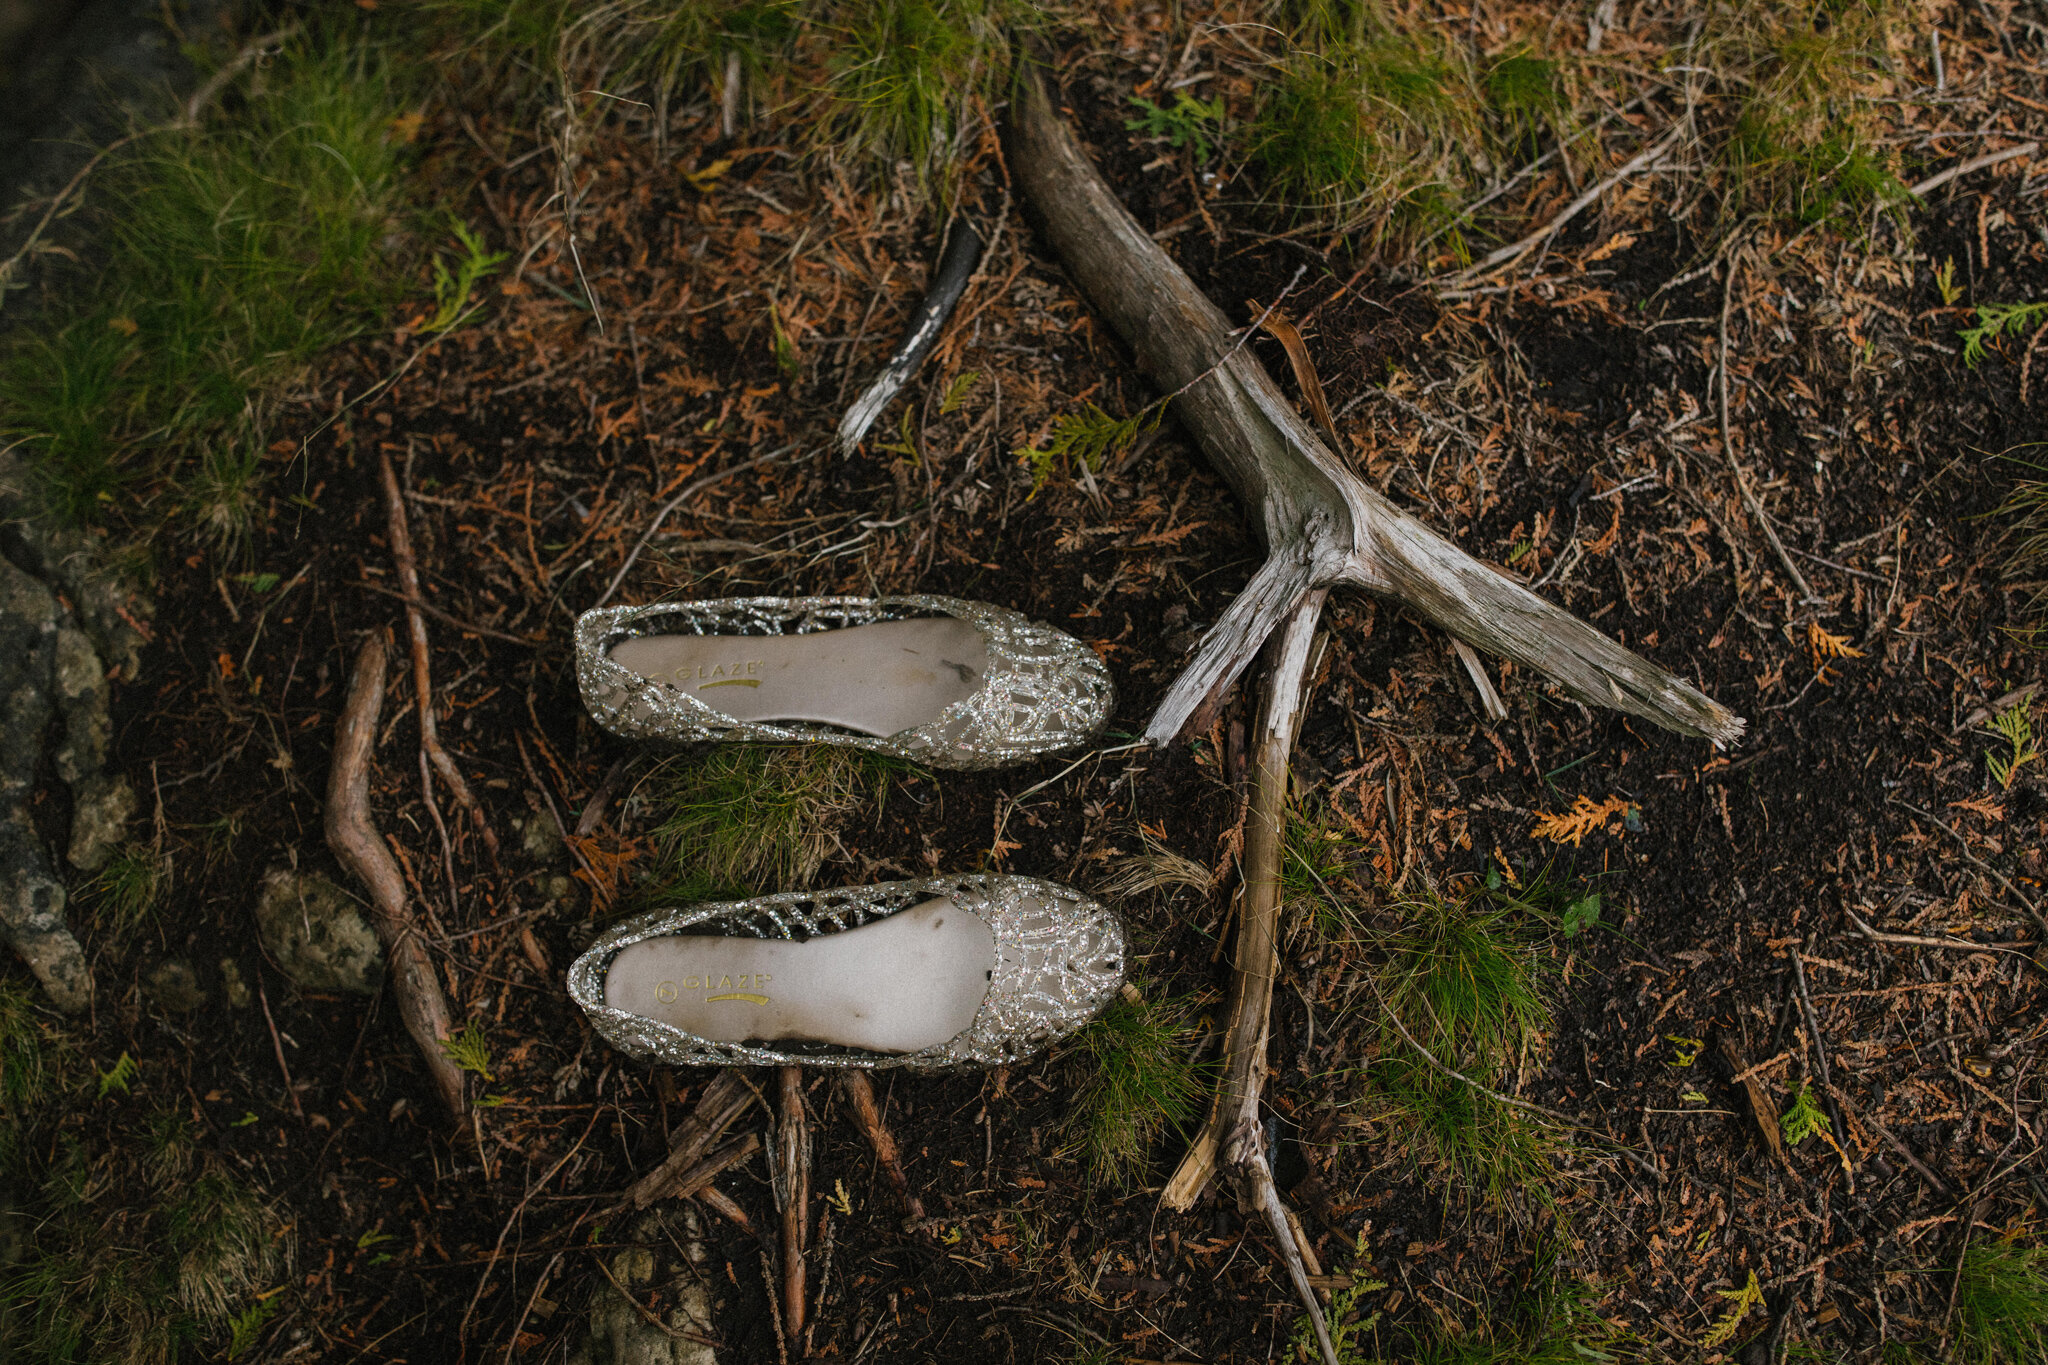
{"points": [[317, 934]]}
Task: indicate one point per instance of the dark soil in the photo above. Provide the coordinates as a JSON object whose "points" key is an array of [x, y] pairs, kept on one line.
{"points": [[537, 446]]}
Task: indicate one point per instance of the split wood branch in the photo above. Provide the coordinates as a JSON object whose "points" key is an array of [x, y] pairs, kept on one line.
{"points": [[353, 836], [1232, 1138], [860, 1093], [723, 1101], [1323, 526], [793, 1177], [949, 282], [422, 672]]}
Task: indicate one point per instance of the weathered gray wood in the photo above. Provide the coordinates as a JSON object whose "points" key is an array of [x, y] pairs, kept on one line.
{"points": [[1323, 526]]}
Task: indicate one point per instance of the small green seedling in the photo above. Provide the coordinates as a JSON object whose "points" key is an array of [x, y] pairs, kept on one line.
{"points": [[1945, 281], [469, 1050], [1750, 1296], [1995, 320], [452, 288], [1088, 438], [1684, 1051], [1804, 1119], [957, 392], [1189, 123], [246, 1326], [1581, 915], [2014, 726], [120, 1077]]}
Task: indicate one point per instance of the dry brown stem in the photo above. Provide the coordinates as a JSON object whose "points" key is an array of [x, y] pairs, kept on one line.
{"points": [[353, 836], [793, 1176], [422, 673], [860, 1093]]}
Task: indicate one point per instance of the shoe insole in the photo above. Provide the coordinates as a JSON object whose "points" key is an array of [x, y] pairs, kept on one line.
{"points": [[879, 679], [901, 984]]}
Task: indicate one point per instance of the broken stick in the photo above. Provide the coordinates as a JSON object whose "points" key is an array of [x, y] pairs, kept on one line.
{"points": [[1323, 525], [353, 836], [723, 1101], [1233, 1138]]}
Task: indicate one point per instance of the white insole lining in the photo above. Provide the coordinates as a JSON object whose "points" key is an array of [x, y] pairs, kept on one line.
{"points": [[902, 984], [879, 679]]}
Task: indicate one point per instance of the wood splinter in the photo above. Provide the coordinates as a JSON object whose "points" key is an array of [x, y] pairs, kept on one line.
{"points": [[353, 836]]}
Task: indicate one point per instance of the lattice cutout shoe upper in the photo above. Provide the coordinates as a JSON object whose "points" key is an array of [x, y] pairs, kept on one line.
{"points": [[951, 684], [1054, 959]]}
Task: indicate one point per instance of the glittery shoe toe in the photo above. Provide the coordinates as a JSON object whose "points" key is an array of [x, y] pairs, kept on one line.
{"points": [[938, 974], [937, 680]]}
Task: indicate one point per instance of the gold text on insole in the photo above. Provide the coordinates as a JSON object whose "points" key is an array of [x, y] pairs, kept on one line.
{"points": [[734, 986]]}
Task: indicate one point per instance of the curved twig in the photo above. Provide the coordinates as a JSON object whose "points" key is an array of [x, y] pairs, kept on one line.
{"points": [[352, 834]]}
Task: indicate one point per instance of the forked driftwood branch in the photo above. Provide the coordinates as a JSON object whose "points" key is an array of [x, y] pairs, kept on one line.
{"points": [[353, 836], [1323, 525]]}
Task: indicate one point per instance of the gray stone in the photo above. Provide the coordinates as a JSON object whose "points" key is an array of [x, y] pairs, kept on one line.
{"points": [[174, 985], [100, 811], [317, 934], [620, 1333]]}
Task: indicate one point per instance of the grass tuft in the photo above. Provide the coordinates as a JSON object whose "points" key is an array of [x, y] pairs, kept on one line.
{"points": [[2001, 1298], [1146, 1080], [1464, 976], [232, 253], [906, 76], [744, 819], [126, 893]]}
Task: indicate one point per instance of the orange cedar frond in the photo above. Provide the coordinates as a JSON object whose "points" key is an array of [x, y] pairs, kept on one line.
{"points": [[1582, 819]]}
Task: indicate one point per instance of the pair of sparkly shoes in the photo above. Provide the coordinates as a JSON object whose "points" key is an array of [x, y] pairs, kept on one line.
{"points": [[944, 972]]}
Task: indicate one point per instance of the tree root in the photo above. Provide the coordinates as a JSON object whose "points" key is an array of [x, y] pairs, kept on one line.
{"points": [[353, 836]]}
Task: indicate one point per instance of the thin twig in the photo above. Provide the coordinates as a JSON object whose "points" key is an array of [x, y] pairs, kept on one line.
{"points": [[277, 1045], [1749, 498], [1934, 1182], [1962, 945], [446, 619], [1514, 251], [422, 671], [1975, 163], [659, 517], [2033, 911]]}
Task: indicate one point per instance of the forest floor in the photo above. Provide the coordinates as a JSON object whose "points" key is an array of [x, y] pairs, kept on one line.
{"points": [[1562, 421]]}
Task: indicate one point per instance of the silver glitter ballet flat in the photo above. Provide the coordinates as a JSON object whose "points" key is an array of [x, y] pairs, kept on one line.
{"points": [[938, 974], [937, 680]]}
